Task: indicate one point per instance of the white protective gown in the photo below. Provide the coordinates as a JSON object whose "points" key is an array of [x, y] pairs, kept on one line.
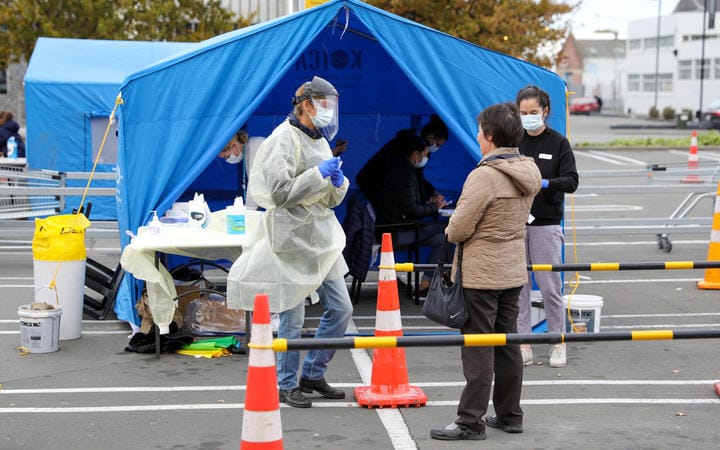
{"points": [[298, 241]]}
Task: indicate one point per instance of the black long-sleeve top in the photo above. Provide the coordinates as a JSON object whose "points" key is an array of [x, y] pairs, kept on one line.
{"points": [[400, 196], [555, 159]]}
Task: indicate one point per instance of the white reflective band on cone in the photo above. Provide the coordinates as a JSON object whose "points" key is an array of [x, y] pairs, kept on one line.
{"points": [[259, 357], [715, 236], [388, 321], [387, 260], [262, 426]]}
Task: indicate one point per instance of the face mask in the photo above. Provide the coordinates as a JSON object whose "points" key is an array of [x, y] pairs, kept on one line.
{"points": [[433, 148], [532, 122], [323, 117], [422, 163], [233, 158]]}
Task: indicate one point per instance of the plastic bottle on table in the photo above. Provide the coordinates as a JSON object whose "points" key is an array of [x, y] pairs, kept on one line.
{"points": [[155, 224], [12, 148], [235, 217]]}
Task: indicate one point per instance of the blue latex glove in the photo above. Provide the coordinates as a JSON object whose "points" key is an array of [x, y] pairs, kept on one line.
{"points": [[329, 167], [544, 183], [337, 178]]}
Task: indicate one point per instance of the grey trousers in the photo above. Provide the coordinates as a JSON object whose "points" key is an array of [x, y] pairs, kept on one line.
{"points": [[543, 245]]}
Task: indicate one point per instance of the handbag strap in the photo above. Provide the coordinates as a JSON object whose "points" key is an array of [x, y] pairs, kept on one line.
{"points": [[460, 255]]}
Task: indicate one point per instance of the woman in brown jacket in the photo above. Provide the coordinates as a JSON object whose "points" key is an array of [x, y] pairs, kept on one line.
{"points": [[490, 220]]}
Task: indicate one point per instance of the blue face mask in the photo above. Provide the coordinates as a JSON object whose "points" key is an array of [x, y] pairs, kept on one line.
{"points": [[422, 162], [532, 122]]}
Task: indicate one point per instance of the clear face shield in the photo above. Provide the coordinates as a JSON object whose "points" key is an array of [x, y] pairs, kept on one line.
{"points": [[326, 115]]}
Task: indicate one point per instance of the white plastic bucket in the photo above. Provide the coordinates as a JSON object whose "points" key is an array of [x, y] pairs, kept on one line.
{"points": [[70, 288], [584, 308], [40, 329]]}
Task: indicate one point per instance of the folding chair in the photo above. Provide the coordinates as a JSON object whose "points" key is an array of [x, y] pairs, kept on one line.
{"points": [[101, 286]]}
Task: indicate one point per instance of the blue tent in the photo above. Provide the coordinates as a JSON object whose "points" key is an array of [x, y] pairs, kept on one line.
{"points": [[391, 73], [70, 90]]}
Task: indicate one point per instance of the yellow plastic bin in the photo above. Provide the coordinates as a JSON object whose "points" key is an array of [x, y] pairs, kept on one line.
{"points": [[59, 268]]}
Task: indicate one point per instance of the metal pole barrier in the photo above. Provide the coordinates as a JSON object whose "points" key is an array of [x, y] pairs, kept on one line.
{"points": [[603, 266], [484, 340]]}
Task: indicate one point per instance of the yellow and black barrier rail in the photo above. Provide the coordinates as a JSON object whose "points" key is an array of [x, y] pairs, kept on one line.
{"points": [[483, 340], [597, 267]]}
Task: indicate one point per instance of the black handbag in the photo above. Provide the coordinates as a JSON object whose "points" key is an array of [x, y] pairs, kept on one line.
{"points": [[445, 301]]}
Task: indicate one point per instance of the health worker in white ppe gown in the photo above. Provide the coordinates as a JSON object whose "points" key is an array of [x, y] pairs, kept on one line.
{"points": [[296, 248]]}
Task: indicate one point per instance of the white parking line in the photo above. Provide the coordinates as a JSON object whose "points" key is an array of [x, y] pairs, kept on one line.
{"points": [[392, 420], [701, 155], [430, 384], [607, 208], [591, 154], [381, 412], [631, 161]]}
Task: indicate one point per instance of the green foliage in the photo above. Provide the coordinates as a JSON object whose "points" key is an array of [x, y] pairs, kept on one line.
{"points": [[520, 28], [705, 139], [23, 21], [653, 112], [668, 113]]}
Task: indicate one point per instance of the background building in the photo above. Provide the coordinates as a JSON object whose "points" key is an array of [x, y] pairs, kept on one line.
{"points": [[265, 9], [594, 67], [681, 53]]}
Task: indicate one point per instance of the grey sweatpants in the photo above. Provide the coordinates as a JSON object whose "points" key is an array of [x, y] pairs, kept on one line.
{"points": [[543, 245]]}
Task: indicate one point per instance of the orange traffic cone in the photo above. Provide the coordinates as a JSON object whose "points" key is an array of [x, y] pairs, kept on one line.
{"points": [[389, 383], [712, 276], [692, 161], [261, 428]]}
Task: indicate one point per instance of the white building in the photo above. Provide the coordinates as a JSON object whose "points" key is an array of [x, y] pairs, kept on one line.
{"points": [[685, 41], [265, 9]]}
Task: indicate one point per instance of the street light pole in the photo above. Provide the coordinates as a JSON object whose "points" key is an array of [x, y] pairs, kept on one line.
{"points": [[657, 56]]}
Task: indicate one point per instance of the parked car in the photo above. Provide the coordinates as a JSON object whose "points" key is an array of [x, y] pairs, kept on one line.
{"points": [[711, 116], [584, 105]]}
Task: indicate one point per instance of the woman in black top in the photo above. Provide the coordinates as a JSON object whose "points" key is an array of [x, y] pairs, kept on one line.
{"points": [[544, 237]]}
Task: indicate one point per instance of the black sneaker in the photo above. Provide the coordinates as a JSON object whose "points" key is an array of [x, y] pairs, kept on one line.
{"points": [[294, 398], [455, 432], [321, 387], [494, 422]]}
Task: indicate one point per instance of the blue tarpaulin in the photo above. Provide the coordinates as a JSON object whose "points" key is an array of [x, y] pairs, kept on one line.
{"points": [[70, 82], [391, 73]]}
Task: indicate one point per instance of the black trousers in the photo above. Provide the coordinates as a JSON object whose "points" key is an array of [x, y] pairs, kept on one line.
{"points": [[491, 312]]}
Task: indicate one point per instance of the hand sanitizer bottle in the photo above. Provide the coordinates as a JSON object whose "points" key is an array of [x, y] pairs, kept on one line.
{"points": [[235, 217], [155, 224]]}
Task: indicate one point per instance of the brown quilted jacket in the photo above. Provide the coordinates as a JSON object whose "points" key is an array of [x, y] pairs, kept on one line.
{"points": [[490, 219]]}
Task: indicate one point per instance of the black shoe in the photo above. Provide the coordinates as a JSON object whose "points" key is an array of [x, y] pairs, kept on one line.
{"points": [[294, 398], [494, 422], [455, 432], [321, 387]]}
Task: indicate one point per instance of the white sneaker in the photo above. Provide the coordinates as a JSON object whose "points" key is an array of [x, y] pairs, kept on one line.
{"points": [[558, 356], [527, 354]]}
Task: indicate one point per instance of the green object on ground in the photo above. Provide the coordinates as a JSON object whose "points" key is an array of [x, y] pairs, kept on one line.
{"points": [[208, 344]]}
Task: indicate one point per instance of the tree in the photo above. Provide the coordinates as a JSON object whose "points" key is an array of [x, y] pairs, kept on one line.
{"points": [[521, 28], [23, 21]]}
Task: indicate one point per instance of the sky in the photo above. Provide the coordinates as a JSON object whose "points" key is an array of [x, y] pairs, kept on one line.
{"points": [[594, 15]]}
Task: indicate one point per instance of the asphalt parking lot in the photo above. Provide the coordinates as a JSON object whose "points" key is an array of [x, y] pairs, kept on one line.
{"points": [[91, 394]]}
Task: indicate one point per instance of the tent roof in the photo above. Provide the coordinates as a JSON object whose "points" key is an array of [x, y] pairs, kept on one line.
{"points": [[93, 61]]}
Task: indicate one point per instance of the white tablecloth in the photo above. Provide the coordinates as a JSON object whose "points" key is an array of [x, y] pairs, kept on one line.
{"points": [[209, 243]]}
